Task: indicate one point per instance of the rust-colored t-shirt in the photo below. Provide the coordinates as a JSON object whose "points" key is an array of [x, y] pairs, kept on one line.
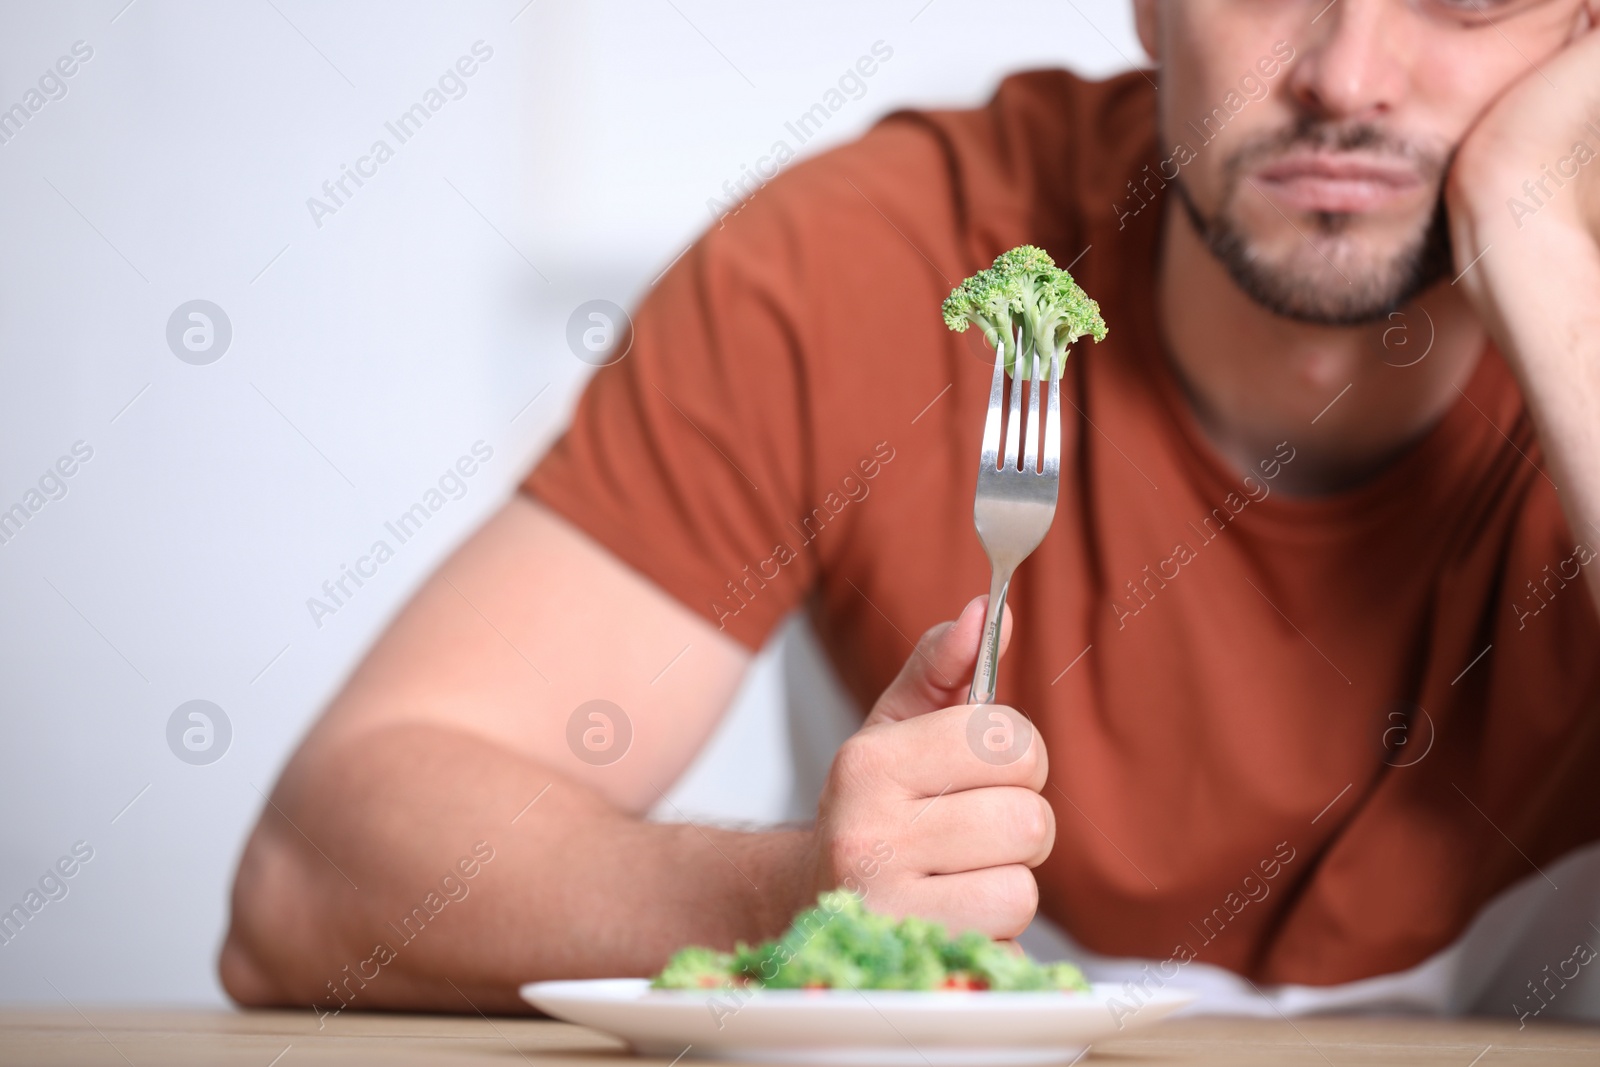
{"points": [[1223, 676]]}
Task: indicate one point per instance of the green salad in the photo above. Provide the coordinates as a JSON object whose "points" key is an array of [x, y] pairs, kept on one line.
{"points": [[839, 944]]}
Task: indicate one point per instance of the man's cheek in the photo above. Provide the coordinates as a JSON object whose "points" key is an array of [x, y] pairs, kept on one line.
{"points": [[1456, 85]]}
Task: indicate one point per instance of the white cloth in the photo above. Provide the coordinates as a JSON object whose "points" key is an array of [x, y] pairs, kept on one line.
{"points": [[1532, 953]]}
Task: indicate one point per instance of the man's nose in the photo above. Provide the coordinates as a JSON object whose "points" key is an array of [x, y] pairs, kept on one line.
{"points": [[1351, 65]]}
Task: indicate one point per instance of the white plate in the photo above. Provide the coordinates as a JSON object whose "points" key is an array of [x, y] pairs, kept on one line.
{"points": [[835, 1027]]}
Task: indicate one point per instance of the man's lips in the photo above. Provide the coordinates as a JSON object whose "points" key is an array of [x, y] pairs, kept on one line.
{"points": [[1346, 184]]}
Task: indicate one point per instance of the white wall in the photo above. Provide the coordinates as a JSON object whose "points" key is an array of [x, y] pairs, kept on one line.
{"points": [[367, 354]]}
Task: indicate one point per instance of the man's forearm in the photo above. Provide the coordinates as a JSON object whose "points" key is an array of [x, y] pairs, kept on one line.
{"points": [[1532, 272], [1542, 286], [355, 889]]}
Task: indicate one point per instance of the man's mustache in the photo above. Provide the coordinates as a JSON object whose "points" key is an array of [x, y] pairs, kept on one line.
{"points": [[1318, 135]]}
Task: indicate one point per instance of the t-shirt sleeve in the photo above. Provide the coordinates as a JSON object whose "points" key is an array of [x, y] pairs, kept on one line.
{"points": [[687, 457]]}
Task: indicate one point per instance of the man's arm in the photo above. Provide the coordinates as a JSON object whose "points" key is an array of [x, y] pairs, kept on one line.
{"points": [[438, 839], [455, 722], [1525, 205]]}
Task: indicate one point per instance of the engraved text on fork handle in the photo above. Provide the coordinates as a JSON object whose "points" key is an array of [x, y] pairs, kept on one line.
{"points": [[983, 679]]}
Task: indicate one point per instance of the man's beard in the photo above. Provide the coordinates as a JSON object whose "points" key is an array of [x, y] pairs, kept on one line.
{"points": [[1344, 288]]}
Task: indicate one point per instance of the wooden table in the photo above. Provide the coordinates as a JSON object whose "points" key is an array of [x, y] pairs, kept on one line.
{"points": [[292, 1039]]}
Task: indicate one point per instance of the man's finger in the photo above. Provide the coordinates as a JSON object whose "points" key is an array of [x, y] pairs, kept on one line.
{"points": [[978, 828], [939, 671], [946, 751], [998, 902]]}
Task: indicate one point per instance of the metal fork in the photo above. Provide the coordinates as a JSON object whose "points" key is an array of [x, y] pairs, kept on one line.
{"points": [[1016, 500]]}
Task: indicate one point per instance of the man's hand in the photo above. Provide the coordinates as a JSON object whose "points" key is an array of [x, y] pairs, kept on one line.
{"points": [[1528, 172], [1524, 203], [933, 807]]}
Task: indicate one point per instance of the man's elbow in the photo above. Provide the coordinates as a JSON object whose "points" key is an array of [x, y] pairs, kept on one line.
{"points": [[259, 952], [244, 978]]}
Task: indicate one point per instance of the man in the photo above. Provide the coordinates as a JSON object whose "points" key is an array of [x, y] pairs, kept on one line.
{"points": [[1311, 646]]}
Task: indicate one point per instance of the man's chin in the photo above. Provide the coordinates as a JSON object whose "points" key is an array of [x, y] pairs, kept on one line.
{"points": [[1344, 279], [1355, 292]]}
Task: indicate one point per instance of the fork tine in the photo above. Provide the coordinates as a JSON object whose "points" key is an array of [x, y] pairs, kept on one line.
{"points": [[1052, 429], [1013, 506], [1014, 414], [1030, 451], [990, 459]]}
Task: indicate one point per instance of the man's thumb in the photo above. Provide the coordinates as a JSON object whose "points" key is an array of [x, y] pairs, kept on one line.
{"points": [[939, 672]]}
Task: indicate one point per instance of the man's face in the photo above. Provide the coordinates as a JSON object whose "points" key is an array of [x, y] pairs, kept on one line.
{"points": [[1319, 133]]}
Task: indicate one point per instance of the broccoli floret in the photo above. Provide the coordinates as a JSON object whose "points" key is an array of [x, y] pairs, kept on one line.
{"points": [[1064, 975], [1025, 293], [836, 945], [697, 968]]}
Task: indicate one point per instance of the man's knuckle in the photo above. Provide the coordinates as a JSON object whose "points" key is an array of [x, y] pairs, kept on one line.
{"points": [[1031, 821], [1016, 899], [1031, 760], [1046, 838]]}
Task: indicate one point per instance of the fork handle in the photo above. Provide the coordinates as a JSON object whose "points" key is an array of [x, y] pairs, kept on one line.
{"points": [[983, 679]]}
